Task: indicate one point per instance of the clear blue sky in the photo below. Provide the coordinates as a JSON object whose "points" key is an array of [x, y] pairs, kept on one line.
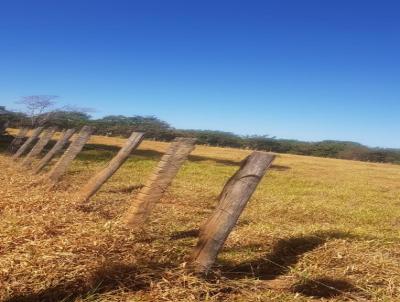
{"points": [[308, 70]]}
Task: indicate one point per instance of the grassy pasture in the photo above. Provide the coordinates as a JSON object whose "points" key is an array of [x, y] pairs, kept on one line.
{"points": [[315, 229]]}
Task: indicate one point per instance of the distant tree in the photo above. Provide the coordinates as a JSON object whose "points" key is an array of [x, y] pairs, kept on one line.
{"points": [[215, 138], [4, 120], [259, 142], [120, 125], [64, 119], [37, 108]]}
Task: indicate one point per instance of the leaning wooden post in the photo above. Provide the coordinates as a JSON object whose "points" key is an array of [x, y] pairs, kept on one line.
{"points": [[27, 143], [159, 181], [18, 139], [65, 136], [94, 184], [232, 202], [69, 155], [39, 146]]}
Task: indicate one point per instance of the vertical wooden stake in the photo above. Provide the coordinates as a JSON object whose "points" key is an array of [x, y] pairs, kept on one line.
{"points": [[69, 155], [65, 136], [35, 151], [95, 183], [18, 140], [158, 183], [27, 143], [232, 202]]}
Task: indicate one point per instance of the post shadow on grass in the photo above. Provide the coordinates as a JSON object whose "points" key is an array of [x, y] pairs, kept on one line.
{"points": [[126, 189], [5, 141], [284, 254], [193, 233], [156, 155], [51, 144], [323, 287], [107, 278]]}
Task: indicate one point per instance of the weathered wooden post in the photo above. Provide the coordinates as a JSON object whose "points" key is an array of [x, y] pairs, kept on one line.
{"points": [[18, 139], [47, 134], [94, 184], [69, 155], [232, 201], [27, 143], [159, 181], [64, 137]]}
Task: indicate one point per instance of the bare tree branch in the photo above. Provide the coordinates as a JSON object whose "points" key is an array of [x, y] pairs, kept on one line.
{"points": [[37, 106]]}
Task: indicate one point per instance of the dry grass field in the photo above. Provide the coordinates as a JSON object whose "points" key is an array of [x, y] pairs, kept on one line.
{"points": [[314, 229]]}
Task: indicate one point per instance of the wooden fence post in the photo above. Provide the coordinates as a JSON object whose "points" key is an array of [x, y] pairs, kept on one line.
{"points": [[29, 141], [47, 134], [18, 139], [69, 155], [159, 181], [232, 201], [64, 137], [95, 183]]}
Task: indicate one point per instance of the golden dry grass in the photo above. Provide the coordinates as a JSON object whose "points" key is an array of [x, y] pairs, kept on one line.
{"points": [[315, 228]]}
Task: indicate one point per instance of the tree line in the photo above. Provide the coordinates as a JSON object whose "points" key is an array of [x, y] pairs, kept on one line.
{"points": [[156, 129]]}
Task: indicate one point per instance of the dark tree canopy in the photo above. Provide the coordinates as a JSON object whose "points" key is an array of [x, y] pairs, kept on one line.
{"points": [[68, 119], [119, 125]]}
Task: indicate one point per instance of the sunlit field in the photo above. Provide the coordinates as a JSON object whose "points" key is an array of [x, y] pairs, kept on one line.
{"points": [[314, 229]]}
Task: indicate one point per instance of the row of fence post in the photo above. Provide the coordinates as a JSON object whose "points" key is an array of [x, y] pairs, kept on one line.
{"points": [[213, 233]]}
